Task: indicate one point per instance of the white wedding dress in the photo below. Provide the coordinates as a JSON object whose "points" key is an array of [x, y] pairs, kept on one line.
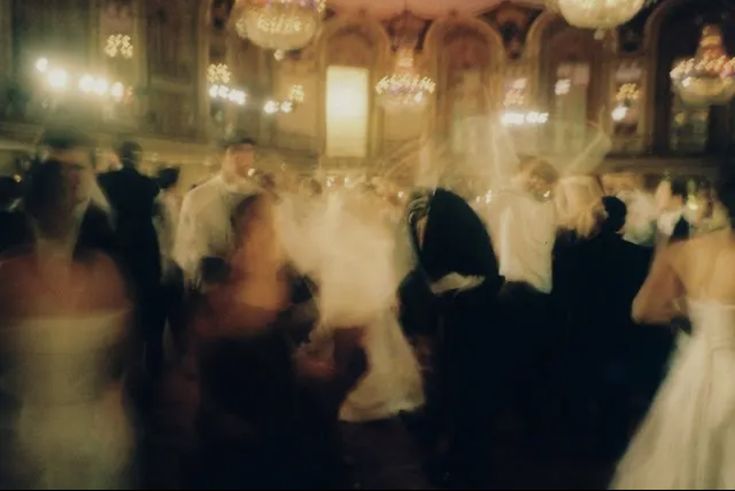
{"points": [[69, 428], [688, 438]]}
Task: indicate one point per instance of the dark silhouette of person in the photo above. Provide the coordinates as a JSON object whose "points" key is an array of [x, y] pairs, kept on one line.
{"points": [[611, 359], [133, 199]]}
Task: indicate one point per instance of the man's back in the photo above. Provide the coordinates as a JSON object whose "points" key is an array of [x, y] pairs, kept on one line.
{"points": [[130, 193]]}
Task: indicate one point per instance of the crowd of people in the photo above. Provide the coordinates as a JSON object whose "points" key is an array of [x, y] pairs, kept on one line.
{"points": [[268, 331]]}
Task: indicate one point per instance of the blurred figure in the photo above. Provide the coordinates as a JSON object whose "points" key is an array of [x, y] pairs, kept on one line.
{"points": [[63, 320], [267, 412], [12, 223], [527, 225], [672, 222], [91, 208], [132, 196], [709, 214], [167, 215], [688, 438], [601, 277], [204, 229], [640, 226], [73, 147], [578, 206], [451, 299]]}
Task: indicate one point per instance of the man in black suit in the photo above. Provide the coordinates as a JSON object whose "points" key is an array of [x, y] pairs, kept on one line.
{"points": [[133, 199], [613, 359]]}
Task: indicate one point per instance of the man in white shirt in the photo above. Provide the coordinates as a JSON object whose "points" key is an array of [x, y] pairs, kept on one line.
{"points": [[204, 225], [524, 225]]}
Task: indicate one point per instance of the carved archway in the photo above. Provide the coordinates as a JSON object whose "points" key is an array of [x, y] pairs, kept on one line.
{"points": [[467, 56], [355, 41]]}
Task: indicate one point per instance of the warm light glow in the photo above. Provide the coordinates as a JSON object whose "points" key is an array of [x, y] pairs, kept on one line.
{"points": [[517, 118], [515, 94], [58, 79], [404, 88], [271, 107], [117, 90], [101, 86], [347, 111], [86, 83], [619, 113], [218, 73], [287, 107], [563, 86], [119, 45], [297, 94], [42, 65]]}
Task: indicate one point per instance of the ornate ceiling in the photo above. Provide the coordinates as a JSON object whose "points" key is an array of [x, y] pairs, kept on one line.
{"points": [[427, 9]]}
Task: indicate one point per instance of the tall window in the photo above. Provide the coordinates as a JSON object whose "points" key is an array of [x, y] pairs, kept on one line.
{"points": [[347, 111]]}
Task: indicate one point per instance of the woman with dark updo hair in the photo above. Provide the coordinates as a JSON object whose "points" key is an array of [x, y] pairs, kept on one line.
{"points": [[688, 438]]}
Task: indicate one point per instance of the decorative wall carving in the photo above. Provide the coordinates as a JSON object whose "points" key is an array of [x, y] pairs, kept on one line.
{"points": [[171, 38]]}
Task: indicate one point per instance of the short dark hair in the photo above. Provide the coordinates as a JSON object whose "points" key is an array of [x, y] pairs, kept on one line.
{"points": [[679, 187], [168, 177], [617, 213], [237, 141], [64, 138], [129, 153]]}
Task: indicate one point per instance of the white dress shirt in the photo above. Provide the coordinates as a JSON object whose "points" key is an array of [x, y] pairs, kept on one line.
{"points": [[205, 227]]}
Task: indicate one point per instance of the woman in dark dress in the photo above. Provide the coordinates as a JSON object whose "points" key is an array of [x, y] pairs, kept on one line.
{"points": [[266, 413], [451, 298]]}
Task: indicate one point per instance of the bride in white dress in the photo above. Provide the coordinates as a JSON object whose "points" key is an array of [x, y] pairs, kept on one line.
{"points": [[63, 312], [688, 438]]}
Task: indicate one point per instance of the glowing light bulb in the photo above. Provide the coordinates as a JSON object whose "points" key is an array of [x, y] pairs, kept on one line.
{"points": [[287, 107], [86, 83], [271, 107], [117, 90], [58, 79], [42, 65], [101, 86], [619, 113], [213, 91]]}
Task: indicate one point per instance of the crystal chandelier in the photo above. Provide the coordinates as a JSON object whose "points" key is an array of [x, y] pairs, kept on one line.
{"points": [[597, 14], [404, 88], [709, 77], [281, 24]]}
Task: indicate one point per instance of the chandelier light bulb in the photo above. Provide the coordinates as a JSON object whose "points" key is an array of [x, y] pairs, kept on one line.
{"points": [[86, 83], [287, 107], [404, 88], [58, 79], [42, 65], [271, 107], [101, 86], [619, 113], [117, 90]]}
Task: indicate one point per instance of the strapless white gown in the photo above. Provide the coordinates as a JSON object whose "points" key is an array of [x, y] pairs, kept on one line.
{"points": [[393, 381], [69, 429], [688, 438]]}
